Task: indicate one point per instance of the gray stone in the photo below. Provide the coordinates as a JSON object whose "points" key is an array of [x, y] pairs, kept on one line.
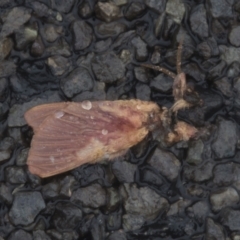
{"points": [[195, 150], [124, 171], [198, 211], [176, 9], [221, 8], [6, 193], [58, 65], [111, 29], [234, 36], [26, 206], [14, 20], [214, 230], [20, 234], [224, 198], [230, 54], [162, 83], [140, 46], [79, 80], [16, 114], [93, 196], [198, 21], [108, 67], [67, 216], [16, 175], [6, 45], [6, 147], [142, 201], [166, 163], [156, 5], [200, 173], [83, 35], [63, 6], [135, 10], [107, 11], [230, 218], [225, 141], [143, 92]]}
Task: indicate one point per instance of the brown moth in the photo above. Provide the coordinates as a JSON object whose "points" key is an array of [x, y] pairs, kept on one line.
{"points": [[68, 134]]}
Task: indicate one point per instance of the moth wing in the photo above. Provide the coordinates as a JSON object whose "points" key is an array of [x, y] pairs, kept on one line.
{"points": [[74, 136], [36, 115]]}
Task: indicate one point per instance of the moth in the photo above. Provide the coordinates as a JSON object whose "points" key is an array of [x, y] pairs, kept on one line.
{"points": [[70, 134]]}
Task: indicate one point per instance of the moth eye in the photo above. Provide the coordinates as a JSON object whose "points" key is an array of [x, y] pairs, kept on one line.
{"points": [[87, 105], [104, 132], [59, 114]]}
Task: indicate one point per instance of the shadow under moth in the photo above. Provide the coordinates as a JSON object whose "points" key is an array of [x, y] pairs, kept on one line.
{"points": [[68, 134]]}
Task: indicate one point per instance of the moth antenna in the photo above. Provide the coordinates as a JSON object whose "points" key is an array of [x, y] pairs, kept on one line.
{"points": [[179, 56], [160, 69]]}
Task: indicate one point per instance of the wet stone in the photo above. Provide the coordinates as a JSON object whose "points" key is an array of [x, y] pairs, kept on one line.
{"points": [[20, 234], [208, 48], [63, 6], [141, 74], [166, 163], [40, 235], [113, 199], [198, 21], [135, 10], [217, 71], [194, 71], [143, 92], [234, 70], [107, 11], [3, 89], [230, 54], [198, 211], [103, 45], [16, 118], [16, 175], [124, 38], [200, 173], [7, 68], [58, 65], [195, 150], [225, 86], [225, 139], [82, 34], [162, 83], [156, 5], [37, 48], [85, 196], [224, 198], [214, 230], [60, 47], [234, 36], [67, 216], [6, 147], [26, 206], [221, 8], [124, 171], [50, 190], [21, 158], [178, 207], [151, 178], [111, 29], [79, 80], [67, 185], [223, 174], [85, 10], [142, 202], [176, 9], [140, 46], [6, 46], [52, 32], [6, 193], [108, 67], [132, 222], [118, 235], [236, 87], [14, 20], [231, 219]]}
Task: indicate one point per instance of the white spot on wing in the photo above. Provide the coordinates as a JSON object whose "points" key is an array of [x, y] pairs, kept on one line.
{"points": [[59, 114], [52, 159], [104, 131], [87, 105]]}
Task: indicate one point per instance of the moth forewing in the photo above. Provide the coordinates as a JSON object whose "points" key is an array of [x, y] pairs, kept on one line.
{"points": [[68, 135]]}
